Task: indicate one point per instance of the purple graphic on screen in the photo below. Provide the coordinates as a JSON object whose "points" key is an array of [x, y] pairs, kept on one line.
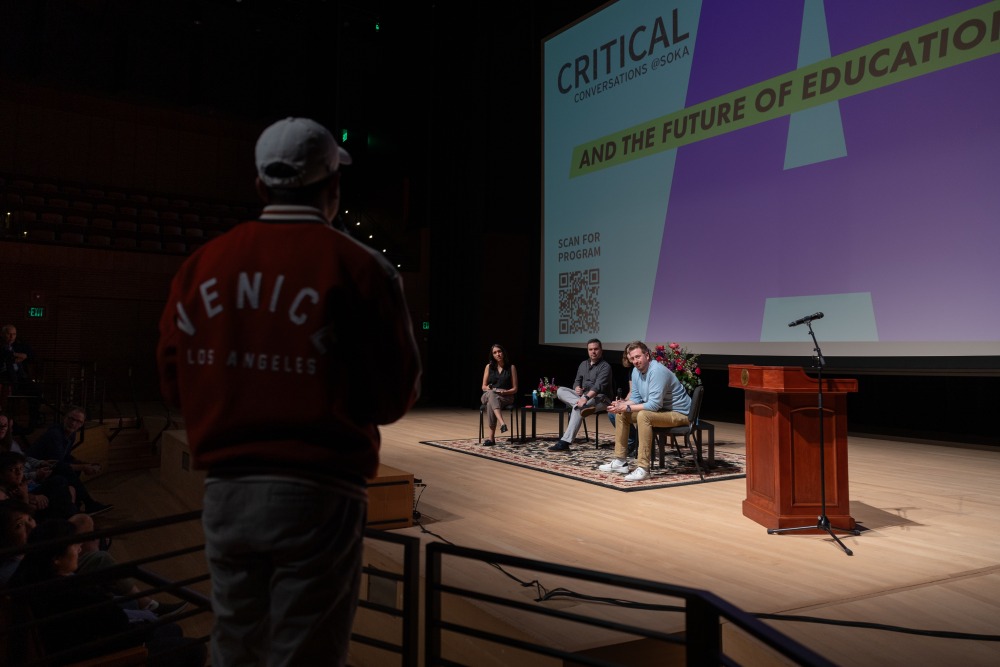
{"points": [[911, 215]]}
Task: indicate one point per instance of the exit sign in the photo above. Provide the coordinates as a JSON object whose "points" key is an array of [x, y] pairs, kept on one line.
{"points": [[36, 311]]}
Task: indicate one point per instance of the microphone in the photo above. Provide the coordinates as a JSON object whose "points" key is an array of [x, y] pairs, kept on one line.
{"points": [[807, 318]]}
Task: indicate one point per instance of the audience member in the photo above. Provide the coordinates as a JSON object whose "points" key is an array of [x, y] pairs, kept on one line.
{"points": [[39, 477], [56, 445], [590, 391], [499, 389], [306, 335], [91, 613], [7, 441], [51, 498], [657, 398], [11, 442], [94, 556], [16, 522], [12, 482], [15, 371]]}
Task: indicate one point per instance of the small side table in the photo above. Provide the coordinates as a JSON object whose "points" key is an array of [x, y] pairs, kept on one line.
{"points": [[560, 409]]}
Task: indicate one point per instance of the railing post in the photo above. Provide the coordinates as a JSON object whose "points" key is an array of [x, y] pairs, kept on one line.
{"points": [[411, 604], [703, 635], [432, 611]]}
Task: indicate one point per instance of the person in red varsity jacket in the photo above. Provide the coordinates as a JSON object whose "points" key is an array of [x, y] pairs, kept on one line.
{"points": [[285, 343]]}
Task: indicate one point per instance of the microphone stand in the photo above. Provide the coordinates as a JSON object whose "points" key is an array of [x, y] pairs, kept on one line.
{"points": [[823, 521]]}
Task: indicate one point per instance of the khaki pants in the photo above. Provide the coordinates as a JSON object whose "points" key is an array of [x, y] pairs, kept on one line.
{"points": [[644, 420], [493, 402]]}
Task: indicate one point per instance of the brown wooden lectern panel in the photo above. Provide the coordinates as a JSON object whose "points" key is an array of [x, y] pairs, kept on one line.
{"points": [[783, 446]]}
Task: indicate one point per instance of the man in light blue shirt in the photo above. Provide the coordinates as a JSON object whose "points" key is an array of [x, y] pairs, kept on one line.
{"points": [[657, 399]]}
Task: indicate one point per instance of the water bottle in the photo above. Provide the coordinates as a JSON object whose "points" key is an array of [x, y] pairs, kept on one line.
{"points": [[534, 398]]}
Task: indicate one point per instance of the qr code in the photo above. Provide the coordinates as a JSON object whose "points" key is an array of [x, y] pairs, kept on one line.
{"points": [[579, 305]]}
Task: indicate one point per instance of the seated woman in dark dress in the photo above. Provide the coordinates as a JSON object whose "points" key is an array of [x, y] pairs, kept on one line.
{"points": [[499, 389]]}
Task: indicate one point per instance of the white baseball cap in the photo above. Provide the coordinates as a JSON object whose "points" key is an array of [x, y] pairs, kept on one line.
{"points": [[296, 152]]}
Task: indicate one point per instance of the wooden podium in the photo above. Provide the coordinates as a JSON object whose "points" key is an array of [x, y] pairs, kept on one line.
{"points": [[783, 446]]}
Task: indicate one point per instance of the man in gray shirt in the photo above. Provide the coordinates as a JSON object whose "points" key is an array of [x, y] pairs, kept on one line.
{"points": [[590, 391]]}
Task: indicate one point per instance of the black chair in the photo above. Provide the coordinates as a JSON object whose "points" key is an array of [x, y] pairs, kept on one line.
{"points": [[511, 421], [599, 409], [690, 432]]}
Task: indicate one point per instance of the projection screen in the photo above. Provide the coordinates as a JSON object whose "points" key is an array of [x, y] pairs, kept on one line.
{"points": [[714, 170]]}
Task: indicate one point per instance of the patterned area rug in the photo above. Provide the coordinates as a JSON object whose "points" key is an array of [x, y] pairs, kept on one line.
{"points": [[581, 462]]}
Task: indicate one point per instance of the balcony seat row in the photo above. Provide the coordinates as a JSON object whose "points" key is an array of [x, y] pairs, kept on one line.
{"points": [[74, 214]]}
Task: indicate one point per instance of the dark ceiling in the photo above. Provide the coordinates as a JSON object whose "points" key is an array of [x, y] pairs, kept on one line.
{"points": [[260, 58]]}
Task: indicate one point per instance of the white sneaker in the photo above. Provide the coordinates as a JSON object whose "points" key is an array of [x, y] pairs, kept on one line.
{"points": [[637, 475], [616, 465]]}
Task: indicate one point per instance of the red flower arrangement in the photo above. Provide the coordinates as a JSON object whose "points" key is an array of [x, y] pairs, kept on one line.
{"points": [[683, 364], [545, 387]]}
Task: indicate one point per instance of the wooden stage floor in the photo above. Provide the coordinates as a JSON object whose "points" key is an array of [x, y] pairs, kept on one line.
{"points": [[929, 559]]}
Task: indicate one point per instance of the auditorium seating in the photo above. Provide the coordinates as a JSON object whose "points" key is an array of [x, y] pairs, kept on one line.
{"points": [[91, 215]]}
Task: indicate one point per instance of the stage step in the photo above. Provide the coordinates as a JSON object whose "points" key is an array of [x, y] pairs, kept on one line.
{"points": [[121, 423], [118, 449], [135, 444]]}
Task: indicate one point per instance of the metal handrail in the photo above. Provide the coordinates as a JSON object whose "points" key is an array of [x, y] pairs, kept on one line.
{"points": [[700, 612], [26, 627], [406, 647], [703, 613]]}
